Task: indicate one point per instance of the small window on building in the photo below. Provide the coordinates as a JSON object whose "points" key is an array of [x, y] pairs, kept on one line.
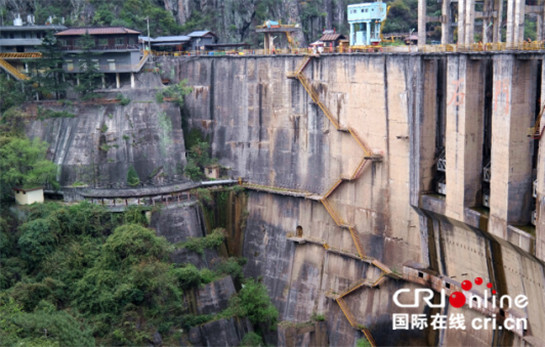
{"points": [[420, 274], [69, 65], [362, 10], [299, 231], [103, 43], [111, 64], [120, 41], [96, 64]]}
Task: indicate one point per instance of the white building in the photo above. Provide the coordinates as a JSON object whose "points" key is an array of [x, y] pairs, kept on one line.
{"points": [[29, 196]]}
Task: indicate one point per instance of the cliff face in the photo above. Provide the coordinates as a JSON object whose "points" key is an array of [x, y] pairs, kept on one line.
{"points": [[235, 20], [101, 142]]}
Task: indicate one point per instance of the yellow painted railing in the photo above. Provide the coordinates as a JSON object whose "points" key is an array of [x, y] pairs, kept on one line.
{"points": [[348, 314], [16, 55], [142, 61], [367, 156], [474, 47], [12, 70], [357, 241]]}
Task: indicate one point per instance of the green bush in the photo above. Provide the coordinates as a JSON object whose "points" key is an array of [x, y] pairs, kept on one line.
{"points": [[176, 92], [43, 327], [37, 240], [231, 266], [133, 179], [135, 215], [23, 163], [198, 158], [251, 339], [123, 100], [363, 343], [198, 244], [317, 317], [254, 302]]}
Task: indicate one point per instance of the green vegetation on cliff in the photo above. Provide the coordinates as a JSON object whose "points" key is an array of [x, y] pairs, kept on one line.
{"points": [[231, 20], [80, 275], [23, 164]]}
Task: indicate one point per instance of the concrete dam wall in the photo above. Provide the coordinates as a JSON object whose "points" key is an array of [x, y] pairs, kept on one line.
{"points": [[373, 172]]}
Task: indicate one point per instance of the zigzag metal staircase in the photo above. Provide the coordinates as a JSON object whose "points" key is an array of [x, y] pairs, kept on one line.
{"points": [[339, 221]]}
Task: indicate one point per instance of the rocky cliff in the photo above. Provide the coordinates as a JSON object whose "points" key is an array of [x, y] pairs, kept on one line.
{"points": [[103, 139]]}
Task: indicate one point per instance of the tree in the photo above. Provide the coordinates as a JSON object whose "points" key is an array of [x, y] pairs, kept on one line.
{"points": [[132, 177], [43, 327], [254, 302], [49, 77], [23, 163], [130, 283], [89, 76], [12, 93]]}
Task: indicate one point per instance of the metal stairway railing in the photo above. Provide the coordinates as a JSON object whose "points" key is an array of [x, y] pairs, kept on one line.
{"points": [[300, 67], [142, 61], [368, 155], [353, 322], [20, 55], [12, 70], [536, 131]]}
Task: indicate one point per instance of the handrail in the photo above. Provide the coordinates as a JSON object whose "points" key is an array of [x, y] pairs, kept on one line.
{"points": [[20, 55], [142, 61], [445, 48], [357, 241], [12, 70]]}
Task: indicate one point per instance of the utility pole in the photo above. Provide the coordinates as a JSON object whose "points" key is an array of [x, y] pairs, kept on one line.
{"points": [[149, 38]]}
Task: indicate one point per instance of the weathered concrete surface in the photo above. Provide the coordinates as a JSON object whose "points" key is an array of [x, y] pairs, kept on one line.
{"points": [[99, 145], [465, 108], [214, 297], [223, 332], [177, 223], [302, 334], [265, 128], [513, 113]]}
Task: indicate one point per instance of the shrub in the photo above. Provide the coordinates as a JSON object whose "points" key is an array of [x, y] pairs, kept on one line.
{"points": [[133, 179], [124, 101], [176, 92], [198, 244], [251, 339], [254, 302]]}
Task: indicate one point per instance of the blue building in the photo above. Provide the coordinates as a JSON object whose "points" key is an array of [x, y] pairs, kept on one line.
{"points": [[365, 20]]}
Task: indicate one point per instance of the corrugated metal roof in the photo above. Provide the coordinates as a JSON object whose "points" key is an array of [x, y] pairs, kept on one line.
{"points": [[200, 33], [331, 37], [97, 31], [182, 38], [32, 27]]}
